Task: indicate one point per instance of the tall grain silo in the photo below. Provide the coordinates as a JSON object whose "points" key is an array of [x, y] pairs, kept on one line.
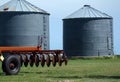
{"points": [[23, 24], [88, 32]]}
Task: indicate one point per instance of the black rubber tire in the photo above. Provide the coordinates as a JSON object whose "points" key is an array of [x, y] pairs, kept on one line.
{"points": [[11, 65]]}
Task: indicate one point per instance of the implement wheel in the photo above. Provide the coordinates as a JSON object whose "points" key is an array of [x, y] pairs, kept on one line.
{"points": [[11, 65]]}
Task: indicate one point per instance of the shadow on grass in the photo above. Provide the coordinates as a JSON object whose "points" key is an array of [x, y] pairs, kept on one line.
{"points": [[31, 72], [65, 77], [104, 77], [92, 77], [2, 74], [71, 77]]}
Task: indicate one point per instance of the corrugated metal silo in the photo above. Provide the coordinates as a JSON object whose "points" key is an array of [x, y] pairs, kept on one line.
{"points": [[88, 32], [23, 24]]}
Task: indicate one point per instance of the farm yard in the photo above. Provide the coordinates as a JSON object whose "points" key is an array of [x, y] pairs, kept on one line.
{"points": [[77, 70]]}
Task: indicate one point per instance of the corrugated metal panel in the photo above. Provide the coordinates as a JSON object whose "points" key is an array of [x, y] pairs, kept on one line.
{"points": [[23, 29], [23, 24], [88, 37], [20, 5], [88, 12], [88, 32]]}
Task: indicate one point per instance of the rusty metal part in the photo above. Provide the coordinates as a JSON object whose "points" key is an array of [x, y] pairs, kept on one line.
{"points": [[48, 61], [12, 65], [42, 60], [37, 60], [21, 59], [31, 55], [66, 61], [26, 60], [54, 60], [19, 49], [60, 60], [31, 61], [26, 50]]}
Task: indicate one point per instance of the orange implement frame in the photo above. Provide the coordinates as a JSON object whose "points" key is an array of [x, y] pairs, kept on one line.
{"points": [[19, 49], [27, 50]]}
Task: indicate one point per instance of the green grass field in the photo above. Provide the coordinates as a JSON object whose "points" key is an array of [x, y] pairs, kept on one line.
{"points": [[78, 70]]}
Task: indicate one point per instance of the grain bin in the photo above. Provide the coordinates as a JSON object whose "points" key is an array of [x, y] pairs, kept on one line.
{"points": [[88, 32], [23, 24]]}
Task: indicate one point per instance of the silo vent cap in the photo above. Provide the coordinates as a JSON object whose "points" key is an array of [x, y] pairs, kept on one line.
{"points": [[86, 5]]}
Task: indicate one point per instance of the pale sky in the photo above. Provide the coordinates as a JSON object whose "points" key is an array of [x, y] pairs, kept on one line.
{"points": [[59, 9]]}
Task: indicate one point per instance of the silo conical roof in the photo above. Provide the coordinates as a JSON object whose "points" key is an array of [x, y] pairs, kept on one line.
{"points": [[88, 12], [20, 5]]}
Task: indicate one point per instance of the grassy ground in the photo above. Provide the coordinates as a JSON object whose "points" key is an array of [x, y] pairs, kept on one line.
{"points": [[78, 70]]}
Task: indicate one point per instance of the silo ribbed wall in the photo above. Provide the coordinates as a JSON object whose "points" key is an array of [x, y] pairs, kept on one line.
{"points": [[88, 36], [21, 28]]}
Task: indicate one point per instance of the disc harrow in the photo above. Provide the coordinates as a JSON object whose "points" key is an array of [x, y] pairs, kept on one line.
{"points": [[14, 57], [43, 59]]}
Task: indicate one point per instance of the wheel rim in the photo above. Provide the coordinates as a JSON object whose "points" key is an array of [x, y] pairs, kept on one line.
{"points": [[13, 65]]}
